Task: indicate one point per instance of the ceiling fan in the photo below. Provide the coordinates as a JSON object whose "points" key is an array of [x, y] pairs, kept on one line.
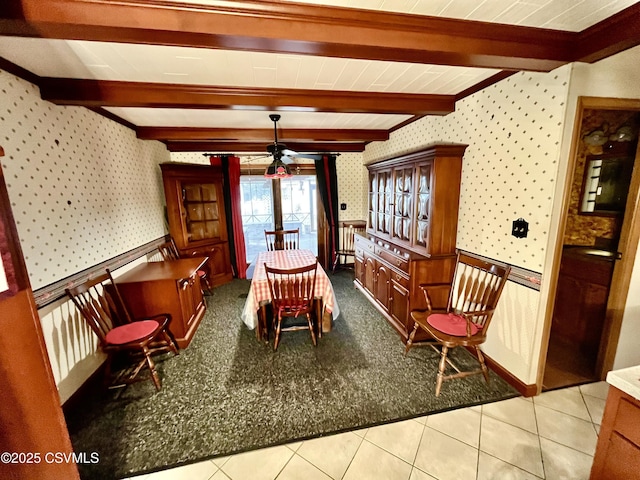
{"points": [[282, 156], [279, 167]]}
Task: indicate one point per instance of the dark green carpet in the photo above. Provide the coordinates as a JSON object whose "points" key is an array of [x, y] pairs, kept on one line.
{"points": [[228, 393]]}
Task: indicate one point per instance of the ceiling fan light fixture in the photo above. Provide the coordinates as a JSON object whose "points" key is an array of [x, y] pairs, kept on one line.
{"points": [[277, 169]]}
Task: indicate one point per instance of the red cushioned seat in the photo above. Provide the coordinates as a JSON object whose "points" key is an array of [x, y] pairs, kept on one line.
{"points": [[451, 324], [201, 273], [131, 332]]}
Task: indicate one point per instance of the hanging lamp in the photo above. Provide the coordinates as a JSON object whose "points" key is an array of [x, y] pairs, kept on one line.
{"points": [[277, 168]]}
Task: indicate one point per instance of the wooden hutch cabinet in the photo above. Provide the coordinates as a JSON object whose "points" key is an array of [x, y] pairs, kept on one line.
{"points": [[196, 215], [411, 231]]}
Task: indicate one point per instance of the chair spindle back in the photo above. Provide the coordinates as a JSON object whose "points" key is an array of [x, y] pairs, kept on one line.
{"points": [[282, 239], [100, 304], [292, 290], [477, 288]]}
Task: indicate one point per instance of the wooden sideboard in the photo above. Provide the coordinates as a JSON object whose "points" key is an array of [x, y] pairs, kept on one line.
{"points": [[167, 287], [411, 231]]}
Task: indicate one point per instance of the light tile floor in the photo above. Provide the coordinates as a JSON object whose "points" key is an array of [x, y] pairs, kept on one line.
{"points": [[551, 436]]}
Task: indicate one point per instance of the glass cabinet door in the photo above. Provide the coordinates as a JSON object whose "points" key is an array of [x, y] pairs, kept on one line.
{"points": [[202, 211], [402, 204], [385, 199], [373, 202], [423, 200]]}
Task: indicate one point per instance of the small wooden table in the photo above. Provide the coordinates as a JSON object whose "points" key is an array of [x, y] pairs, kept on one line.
{"points": [[254, 313], [167, 287]]}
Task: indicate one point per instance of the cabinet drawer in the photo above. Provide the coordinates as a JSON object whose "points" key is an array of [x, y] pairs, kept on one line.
{"points": [[393, 259], [400, 279], [362, 246], [628, 421]]}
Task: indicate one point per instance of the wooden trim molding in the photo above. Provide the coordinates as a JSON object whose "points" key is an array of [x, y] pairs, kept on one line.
{"points": [[519, 275], [55, 291], [613, 35], [526, 390], [13, 266], [25, 74], [484, 84]]}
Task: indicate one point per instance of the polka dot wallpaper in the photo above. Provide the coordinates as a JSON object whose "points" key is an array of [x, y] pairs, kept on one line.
{"points": [[83, 188], [352, 180], [513, 130]]}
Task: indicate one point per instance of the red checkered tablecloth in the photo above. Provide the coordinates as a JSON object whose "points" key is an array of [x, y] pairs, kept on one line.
{"points": [[260, 293]]}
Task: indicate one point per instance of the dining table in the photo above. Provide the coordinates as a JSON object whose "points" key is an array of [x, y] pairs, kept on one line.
{"points": [[255, 313]]}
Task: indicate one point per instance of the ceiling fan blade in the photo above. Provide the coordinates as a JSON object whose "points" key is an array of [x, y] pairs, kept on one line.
{"points": [[287, 159], [311, 156], [287, 151]]}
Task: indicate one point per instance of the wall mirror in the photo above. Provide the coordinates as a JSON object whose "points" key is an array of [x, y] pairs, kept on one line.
{"points": [[606, 184]]}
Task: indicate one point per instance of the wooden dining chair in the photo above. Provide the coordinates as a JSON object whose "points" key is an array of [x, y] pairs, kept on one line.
{"points": [[101, 306], [292, 295], [169, 251], [347, 241], [282, 239], [473, 296]]}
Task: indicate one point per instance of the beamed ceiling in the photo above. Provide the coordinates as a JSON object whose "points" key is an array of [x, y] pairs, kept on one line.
{"points": [[204, 75]]}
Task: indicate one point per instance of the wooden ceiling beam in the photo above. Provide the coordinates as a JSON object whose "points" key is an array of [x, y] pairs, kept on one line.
{"points": [[261, 147], [104, 93], [260, 134], [284, 27], [614, 34]]}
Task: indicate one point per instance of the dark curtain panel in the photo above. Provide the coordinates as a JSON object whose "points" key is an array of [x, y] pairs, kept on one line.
{"points": [[328, 189], [232, 206]]}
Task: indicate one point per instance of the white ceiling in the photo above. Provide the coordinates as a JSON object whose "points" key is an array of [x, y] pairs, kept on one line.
{"points": [[182, 65]]}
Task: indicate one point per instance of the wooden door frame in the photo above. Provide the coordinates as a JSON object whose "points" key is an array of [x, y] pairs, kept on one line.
{"points": [[627, 246], [31, 416]]}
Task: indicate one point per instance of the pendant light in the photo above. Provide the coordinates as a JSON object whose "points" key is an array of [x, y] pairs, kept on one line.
{"points": [[277, 169]]}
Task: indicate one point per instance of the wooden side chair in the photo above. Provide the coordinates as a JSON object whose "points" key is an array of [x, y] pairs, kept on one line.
{"points": [[292, 295], [473, 296], [282, 239], [101, 306], [169, 251], [347, 241]]}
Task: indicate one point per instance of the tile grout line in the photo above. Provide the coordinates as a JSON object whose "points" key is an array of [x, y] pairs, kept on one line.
{"points": [[535, 416]]}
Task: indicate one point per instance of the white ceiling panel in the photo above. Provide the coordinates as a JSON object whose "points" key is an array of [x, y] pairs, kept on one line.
{"points": [[165, 64], [97, 60], [176, 117], [526, 12]]}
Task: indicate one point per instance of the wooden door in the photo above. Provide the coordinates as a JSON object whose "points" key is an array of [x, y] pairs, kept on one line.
{"points": [[399, 303], [370, 275], [383, 281]]}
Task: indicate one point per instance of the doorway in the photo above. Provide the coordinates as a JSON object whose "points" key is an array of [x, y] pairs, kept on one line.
{"points": [[598, 246], [287, 203]]}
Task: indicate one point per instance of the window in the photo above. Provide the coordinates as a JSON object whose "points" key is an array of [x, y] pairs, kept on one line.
{"points": [[296, 208]]}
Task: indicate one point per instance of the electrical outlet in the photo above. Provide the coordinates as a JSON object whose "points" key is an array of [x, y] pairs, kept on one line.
{"points": [[343, 206], [520, 228]]}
